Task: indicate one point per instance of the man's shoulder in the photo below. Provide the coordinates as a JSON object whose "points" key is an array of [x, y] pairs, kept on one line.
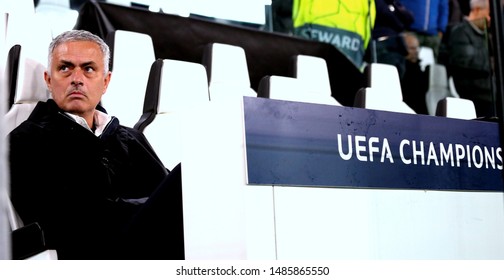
{"points": [[459, 30], [38, 120], [43, 110]]}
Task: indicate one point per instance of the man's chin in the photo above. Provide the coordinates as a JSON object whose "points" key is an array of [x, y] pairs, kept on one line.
{"points": [[76, 108]]}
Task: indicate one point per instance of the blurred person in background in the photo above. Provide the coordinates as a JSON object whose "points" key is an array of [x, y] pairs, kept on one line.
{"points": [[431, 19], [282, 16], [345, 24], [415, 82], [392, 18], [469, 58]]}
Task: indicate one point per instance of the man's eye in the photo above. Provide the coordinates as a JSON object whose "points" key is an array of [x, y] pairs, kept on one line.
{"points": [[63, 68], [89, 69]]}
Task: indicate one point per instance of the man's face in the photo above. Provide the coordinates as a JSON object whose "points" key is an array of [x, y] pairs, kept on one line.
{"points": [[482, 16], [77, 81], [413, 48]]}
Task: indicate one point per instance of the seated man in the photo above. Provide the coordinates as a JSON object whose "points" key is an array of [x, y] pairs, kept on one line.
{"points": [[97, 188], [415, 82]]}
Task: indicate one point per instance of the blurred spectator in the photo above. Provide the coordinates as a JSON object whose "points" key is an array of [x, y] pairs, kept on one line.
{"points": [[415, 82], [282, 16], [346, 24], [431, 19], [392, 18], [469, 61]]}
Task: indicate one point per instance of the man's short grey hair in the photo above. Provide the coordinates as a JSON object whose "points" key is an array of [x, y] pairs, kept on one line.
{"points": [[79, 35], [479, 4]]}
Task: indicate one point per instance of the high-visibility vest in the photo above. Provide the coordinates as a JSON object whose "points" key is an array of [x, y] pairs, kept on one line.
{"points": [[346, 24]]}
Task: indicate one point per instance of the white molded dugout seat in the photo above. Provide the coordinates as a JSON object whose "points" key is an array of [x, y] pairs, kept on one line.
{"points": [[32, 32], [426, 55], [26, 86], [173, 87], [227, 70], [371, 98], [384, 90], [4, 189], [27, 240], [385, 78], [58, 14], [25, 7], [438, 87], [313, 72], [132, 55], [458, 108], [453, 89], [292, 89]]}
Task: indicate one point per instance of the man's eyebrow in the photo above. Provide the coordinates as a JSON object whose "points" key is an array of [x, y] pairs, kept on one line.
{"points": [[65, 62], [84, 64]]}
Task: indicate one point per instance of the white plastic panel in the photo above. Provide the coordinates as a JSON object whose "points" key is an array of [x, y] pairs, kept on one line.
{"points": [[362, 224], [223, 217]]}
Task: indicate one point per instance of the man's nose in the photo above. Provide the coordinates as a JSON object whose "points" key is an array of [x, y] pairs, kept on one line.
{"points": [[77, 76]]}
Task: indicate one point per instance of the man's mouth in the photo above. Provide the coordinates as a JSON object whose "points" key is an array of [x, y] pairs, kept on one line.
{"points": [[76, 92]]}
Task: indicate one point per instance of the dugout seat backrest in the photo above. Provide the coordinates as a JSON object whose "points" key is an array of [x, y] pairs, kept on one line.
{"points": [[453, 89], [385, 79], [26, 86], [174, 87], [132, 55], [18, 6], [458, 108], [312, 71], [58, 14], [292, 89], [30, 31], [438, 87], [383, 91], [372, 98], [227, 70], [426, 55]]}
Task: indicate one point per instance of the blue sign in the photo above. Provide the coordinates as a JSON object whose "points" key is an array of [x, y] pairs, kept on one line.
{"points": [[302, 144]]}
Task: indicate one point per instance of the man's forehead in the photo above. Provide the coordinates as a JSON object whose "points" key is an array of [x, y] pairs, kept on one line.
{"points": [[85, 50], [84, 47]]}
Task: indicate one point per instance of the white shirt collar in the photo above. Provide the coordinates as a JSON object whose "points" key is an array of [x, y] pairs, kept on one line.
{"points": [[100, 120]]}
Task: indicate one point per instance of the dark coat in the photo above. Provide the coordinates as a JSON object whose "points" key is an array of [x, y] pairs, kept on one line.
{"points": [[469, 62], [414, 85], [80, 188], [391, 21]]}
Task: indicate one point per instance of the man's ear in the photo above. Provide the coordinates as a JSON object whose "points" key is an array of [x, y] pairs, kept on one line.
{"points": [[106, 81], [47, 79]]}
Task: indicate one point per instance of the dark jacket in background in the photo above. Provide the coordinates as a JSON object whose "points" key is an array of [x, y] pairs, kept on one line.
{"points": [[469, 64], [282, 16], [392, 18], [414, 86]]}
